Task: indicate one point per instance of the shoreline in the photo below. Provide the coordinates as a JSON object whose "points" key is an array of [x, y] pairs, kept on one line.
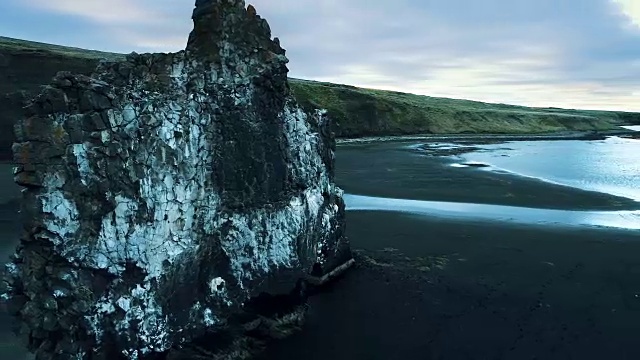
{"points": [[499, 215], [445, 289], [391, 171], [563, 135]]}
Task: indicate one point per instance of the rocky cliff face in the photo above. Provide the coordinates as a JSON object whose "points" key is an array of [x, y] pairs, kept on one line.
{"points": [[166, 192]]}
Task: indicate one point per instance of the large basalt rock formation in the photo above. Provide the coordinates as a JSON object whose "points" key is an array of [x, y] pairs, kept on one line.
{"points": [[168, 191]]}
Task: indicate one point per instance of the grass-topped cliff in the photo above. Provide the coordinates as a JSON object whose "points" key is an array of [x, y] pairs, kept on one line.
{"points": [[363, 112], [25, 65]]}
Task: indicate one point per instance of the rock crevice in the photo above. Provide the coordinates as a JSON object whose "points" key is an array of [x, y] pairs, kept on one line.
{"points": [[165, 191]]}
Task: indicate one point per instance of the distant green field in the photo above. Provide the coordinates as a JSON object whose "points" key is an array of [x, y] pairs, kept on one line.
{"points": [[16, 45], [362, 112], [356, 111]]}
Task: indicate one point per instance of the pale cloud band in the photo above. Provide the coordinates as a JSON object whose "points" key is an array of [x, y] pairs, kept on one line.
{"points": [[630, 8], [572, 53]]}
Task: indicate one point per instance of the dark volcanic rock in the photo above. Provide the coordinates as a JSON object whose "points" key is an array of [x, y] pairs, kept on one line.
{"points": [[168, 191]]}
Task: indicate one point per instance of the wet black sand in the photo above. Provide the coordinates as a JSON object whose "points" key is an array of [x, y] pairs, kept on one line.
{"points": [[388, 170], [503, 292], [487, 138], [428, 288]]}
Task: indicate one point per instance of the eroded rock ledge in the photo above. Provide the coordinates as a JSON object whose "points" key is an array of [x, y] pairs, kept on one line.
{"points": [[168, 190]]}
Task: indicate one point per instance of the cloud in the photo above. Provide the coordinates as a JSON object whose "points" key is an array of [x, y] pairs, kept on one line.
{"points": [[140, 25], [114, 11], [630, 8], [571, 53]]}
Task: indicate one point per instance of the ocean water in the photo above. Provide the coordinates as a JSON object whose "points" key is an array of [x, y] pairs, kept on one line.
{"points": [[610, 166], [561, 284], [500, 213]]}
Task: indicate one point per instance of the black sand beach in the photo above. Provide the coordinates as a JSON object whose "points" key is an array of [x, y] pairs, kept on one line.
{"points": [[449, 290], [393, 170], [428, 288], [432, 288]]}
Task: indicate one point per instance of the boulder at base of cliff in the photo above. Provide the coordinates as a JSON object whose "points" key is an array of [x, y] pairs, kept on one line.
{"points": [[170, 196]]}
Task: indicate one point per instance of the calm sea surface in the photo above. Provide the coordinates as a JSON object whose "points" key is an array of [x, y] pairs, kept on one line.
{"points": [[609, 166]]}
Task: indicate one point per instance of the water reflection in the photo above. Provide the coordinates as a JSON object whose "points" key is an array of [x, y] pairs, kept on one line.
{"points": [[520, 215], [611, 166]]}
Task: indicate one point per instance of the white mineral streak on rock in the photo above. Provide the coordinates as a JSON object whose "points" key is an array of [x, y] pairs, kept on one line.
{"points": [[80, 152], [167, 205], [265, 240], [148, 246], [177, 73], [302, 142], [127, 116], [217, 285], [172, 197], [124, 303], [209, 319], [63, 214], [141, 309], [257, 243]]}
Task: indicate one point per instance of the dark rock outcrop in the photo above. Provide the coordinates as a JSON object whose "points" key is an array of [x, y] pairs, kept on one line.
{"points": [[166, 193]]}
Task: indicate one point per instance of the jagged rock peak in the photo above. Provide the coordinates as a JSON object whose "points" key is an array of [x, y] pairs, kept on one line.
{"points": [[222, 23], [166, 192]]}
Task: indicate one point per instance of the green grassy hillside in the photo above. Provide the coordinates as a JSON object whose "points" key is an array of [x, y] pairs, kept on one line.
{"points": [[363, 112], [25, 65], [10, 44]]}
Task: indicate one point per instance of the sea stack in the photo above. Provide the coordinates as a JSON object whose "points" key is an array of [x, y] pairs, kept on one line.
{"points": [[167, 195]]}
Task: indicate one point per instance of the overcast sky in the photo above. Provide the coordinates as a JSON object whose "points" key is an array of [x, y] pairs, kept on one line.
{"points": [[565, 53]]}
